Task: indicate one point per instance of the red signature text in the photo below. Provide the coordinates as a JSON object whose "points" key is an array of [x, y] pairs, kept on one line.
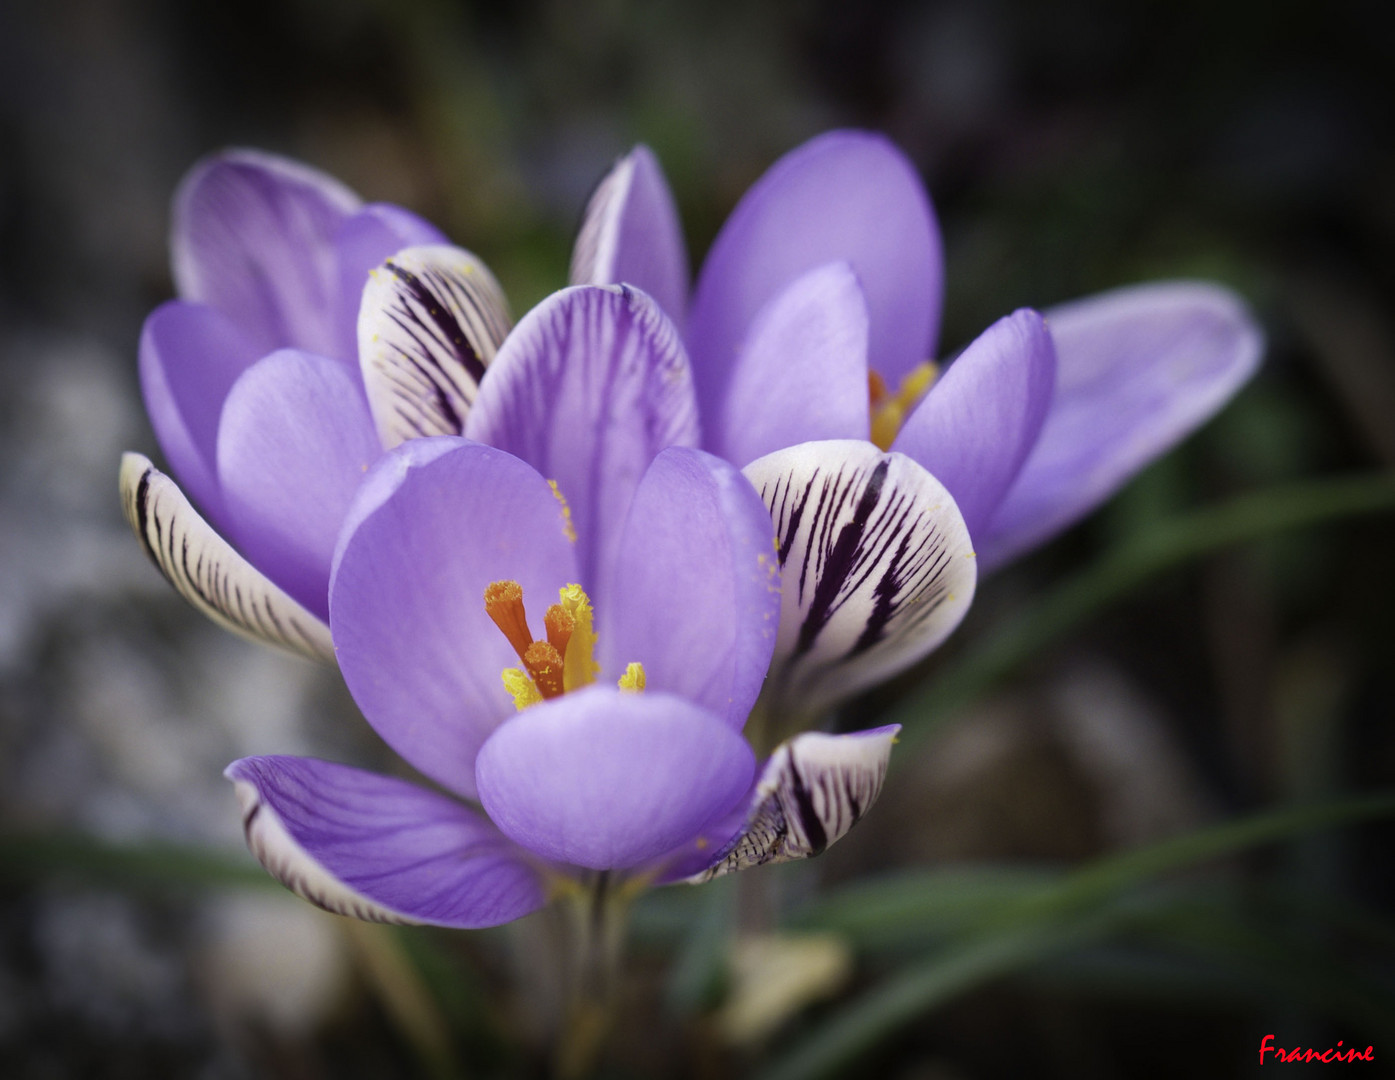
{"points": [[1298, 1053]]}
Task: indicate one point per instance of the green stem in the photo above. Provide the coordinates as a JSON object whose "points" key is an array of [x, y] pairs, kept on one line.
{"points": [[596, 921]]}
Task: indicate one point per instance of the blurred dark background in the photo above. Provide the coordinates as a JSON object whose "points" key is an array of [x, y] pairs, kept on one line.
{"points": [[1069, 147]]}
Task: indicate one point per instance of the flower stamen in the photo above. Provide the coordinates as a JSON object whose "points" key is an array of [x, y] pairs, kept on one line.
{"points": [[580, 666], [633, 679], [565, 660], [521, 688], [889, 411]]}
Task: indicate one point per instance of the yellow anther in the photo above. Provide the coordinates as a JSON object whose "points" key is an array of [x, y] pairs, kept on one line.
{"points": [[889, 411], [633, 679], [524, 693], [579, 668], [503, 602], [544, 664]]}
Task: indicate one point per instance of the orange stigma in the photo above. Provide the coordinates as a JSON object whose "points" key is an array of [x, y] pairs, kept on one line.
{"points": [[503, 602], [561, 624], [565, 660], [544, 664]]}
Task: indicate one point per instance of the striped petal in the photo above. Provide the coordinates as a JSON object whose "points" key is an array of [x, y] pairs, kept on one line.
{"points": [[361, 245], [588, 389], [876, 567], [813, 790], [631, 234], [206, 571], [253, 236], [431, 321], [1138, 369], [379, 849]]}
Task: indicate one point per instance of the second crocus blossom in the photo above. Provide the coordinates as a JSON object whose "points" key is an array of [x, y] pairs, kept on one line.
{"points": [[816, 314], [257, 394]]}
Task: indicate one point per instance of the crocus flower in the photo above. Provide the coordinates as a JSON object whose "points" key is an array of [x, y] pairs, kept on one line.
{"points": [[816, 313], [288, 442], [604, 735], [427, 502], [311, 333]]}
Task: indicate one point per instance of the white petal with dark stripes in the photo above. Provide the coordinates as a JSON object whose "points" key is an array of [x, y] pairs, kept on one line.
{"points": [[379, 848], [205, 569], [814, 788], [293, 867], [431, 321], [876, 567]]}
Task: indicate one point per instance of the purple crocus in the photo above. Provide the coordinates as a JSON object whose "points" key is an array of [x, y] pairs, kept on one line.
{"points": [[273, 449], [816, 313], [431, 492], [254, 384], [571, 626]]}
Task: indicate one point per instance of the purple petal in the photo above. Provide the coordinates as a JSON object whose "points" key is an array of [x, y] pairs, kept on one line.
{"points": [[589, 387], [190, 356], [631, 235], [436, 522], [845, 196], [977, 425], [801, 374], [431, 321], [605, 779], [1137, 370], [207, 572], [876, 567], [695, 591], [294, 442], [811, 792], [378, 848], [253, 236], [363, 243]]}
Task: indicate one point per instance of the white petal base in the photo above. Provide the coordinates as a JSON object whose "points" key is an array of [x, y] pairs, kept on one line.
{"points": [[814, 789], [876, 567], [300, 872], [431, 321], [207, 572]]}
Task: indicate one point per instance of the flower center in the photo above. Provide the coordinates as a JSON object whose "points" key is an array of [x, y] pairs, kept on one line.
{"points": [[889, 411], [565, 659]]}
